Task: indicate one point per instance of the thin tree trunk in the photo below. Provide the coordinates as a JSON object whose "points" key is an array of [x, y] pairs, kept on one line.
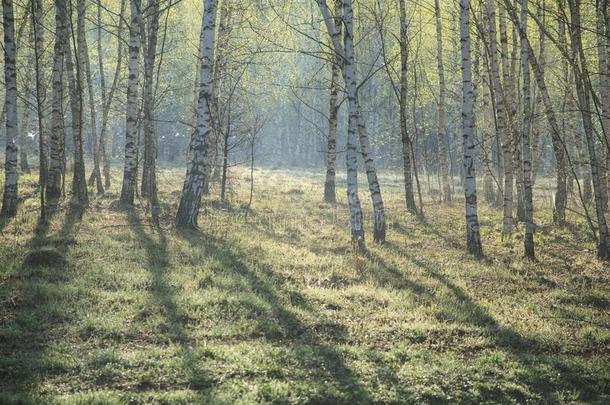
{"points": [[9, 199], [404, 133], [501, 116], [149, 178], [604, 90], [473, 238], [96, 176], [349, 73], [379, 233], [107, 99], [485, 129], [41, 93], [528, 239], [23, 133], [225, 154], [331, 150], [441, 129], [192, 191], [75, 82], [58, 138], [130, 168]]}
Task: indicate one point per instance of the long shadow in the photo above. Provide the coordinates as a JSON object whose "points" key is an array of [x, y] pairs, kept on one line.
{"points": [[292, 329], [164, 295], [37, 313], [528, 352]]}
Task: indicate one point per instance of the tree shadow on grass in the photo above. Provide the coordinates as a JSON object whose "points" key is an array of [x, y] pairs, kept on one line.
{"points": [[548, 370], [164, 295], [292, 333], [36, 312]]}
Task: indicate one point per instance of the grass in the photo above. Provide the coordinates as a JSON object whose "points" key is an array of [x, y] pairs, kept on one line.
{"points": [[272, 307]]}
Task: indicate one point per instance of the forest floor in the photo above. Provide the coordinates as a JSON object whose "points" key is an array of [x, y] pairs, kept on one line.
{"points": [[273, 307]]}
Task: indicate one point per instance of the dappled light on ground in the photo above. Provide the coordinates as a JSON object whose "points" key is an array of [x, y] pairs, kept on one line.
{"points": [[273, 306]]}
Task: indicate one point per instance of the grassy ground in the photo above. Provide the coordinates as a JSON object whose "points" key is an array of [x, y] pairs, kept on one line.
{"points": [[272, 307]]}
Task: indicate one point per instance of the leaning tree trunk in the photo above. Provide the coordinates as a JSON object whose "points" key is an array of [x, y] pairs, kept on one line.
{"points": [[9, 200], [56, 165], [379, 233], [603, 249], [130, 168], [528, 239], [404, 133], [331, 149], [441, 129], [192, 191], [473, 238]]}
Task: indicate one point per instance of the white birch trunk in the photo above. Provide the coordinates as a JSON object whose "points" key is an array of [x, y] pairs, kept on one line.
{"points": [[349, 73], [56, 165], [9, 200], [130, 168], [75, 83], [192, 191], [473, 238], [149, 45], [403, 95], [331, 149]]}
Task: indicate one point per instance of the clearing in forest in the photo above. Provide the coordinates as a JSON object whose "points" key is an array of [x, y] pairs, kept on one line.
{"points": [[272, 307]]}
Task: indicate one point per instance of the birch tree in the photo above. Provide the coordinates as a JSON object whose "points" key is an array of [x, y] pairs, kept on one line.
{"points": [[526, 154], [108, 95], [351, 160], [56, 166], [130, 167], [473, 238], [584, 101], [502, 118], [442, 96], [404, 132], [603, 45], [9, 199], [96, 175], [331, 149], [149, 46], [74, 73], [41, 92], [192, 190], [25, 117]]}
